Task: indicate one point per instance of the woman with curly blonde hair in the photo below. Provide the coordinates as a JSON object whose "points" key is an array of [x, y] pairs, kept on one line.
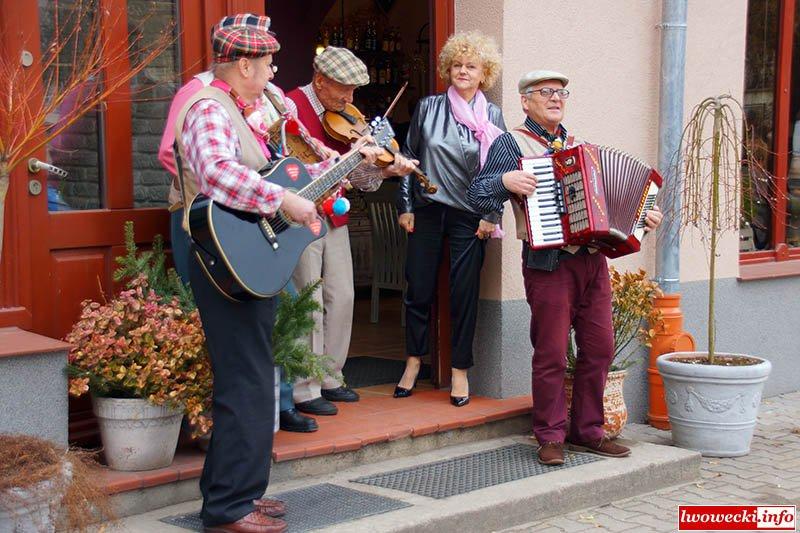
{"points": [[450, 134]]}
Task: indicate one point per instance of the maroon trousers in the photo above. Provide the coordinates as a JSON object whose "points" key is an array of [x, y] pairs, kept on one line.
{"points": [[577, 293]]}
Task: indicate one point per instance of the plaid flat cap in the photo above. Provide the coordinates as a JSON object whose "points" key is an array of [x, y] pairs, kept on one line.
{"points": [[340, 64], [242, 20], [258, 22], [231, 43]]}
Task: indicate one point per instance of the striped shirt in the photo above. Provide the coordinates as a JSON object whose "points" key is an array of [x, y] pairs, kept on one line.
{"points": [[487, 193]]}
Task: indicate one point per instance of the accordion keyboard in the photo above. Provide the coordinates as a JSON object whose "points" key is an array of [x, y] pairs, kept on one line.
{"points": [[648, 202], [544, 206]]}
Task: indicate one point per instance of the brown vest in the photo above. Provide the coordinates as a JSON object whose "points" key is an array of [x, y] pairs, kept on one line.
{"points": [[252, 154]]}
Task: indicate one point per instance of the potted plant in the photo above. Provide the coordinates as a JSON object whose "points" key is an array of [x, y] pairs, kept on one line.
{"points": [[632, 295], [142, 357], [174, 334], [44, 488], [712, 397]]}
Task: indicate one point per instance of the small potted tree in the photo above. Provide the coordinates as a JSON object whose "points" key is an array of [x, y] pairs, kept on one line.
{"points": [[712, 397], [632, 295]]}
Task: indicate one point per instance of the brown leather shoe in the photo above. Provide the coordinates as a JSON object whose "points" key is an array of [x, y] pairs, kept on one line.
{"points": [[270, 507], [255, 522], [551, 453], [604, 447]]}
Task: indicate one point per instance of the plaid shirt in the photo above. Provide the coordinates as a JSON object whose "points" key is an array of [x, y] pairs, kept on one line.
{"points": [[213, 153]]}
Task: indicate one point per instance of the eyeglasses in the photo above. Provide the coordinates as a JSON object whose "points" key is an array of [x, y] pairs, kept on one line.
{"points": [[548, 92]]}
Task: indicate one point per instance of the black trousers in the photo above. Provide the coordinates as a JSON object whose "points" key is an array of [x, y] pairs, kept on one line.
{"points": [[238, 337], [432, 224]]}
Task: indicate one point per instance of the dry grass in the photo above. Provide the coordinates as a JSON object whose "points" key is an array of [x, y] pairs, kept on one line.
{"points": [[26, 462]]}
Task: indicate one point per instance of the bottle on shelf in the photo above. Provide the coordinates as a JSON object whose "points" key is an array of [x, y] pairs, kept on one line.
{"points": [[373, 72]]}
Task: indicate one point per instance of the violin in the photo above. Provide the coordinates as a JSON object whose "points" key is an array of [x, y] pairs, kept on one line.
{"points": [[349, 125]]}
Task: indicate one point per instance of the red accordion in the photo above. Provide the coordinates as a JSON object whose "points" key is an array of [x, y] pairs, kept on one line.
{"points": [[589, 195]]}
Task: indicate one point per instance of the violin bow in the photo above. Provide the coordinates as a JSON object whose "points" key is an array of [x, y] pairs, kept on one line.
{"points": [[396, 98]]}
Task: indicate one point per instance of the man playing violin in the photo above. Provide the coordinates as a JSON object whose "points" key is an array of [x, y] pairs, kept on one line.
{"points": [[337, 74]]}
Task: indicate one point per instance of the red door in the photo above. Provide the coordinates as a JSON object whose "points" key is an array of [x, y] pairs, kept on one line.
{"points": [[62, 235]]}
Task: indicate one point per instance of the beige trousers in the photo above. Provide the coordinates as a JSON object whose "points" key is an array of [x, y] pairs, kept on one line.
{"points": [[328, 258]]}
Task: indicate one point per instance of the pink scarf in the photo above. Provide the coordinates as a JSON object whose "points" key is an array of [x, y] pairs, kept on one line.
{"points": [[475, 118]]}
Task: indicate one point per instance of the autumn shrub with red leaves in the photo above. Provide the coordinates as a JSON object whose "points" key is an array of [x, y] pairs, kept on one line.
{"points": [[142, 345]]}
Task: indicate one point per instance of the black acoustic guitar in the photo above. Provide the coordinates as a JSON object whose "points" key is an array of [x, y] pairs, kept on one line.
{"points": [[248, 256]]}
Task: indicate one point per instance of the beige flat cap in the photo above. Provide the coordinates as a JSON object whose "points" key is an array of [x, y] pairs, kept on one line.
{"points": [[340, 64], [535, 76]]}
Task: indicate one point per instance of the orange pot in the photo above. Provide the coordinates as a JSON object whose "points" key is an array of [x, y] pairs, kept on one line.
{"points": [[669, 338]]}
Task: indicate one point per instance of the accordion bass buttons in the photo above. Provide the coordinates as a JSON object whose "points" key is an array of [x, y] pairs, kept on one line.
{"points": [[558, 195]]}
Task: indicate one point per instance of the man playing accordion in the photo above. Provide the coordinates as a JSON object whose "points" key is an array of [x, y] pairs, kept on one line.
{"points": [[565, 287]]}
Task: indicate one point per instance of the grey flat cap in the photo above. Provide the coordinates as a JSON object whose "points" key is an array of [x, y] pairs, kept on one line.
{"points": [[340, 64], [535, 76]]}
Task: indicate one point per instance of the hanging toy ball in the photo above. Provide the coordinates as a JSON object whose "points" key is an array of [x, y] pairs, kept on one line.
{"points": [[341, 206], [327, 206]]}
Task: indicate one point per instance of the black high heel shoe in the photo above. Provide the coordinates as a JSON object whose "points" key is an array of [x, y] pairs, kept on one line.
{"points": [[400, 392], [459, 401]]}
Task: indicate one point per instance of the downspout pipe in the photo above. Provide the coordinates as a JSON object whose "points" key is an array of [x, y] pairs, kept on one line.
{"points": [[670, 126]]}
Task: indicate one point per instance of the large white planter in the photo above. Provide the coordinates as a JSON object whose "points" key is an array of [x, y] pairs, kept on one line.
{"points": [[712, 409], [136, 434], [37, 506]]}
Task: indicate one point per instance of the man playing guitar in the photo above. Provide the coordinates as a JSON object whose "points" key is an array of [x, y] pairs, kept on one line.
{"points": [[222, 151]]}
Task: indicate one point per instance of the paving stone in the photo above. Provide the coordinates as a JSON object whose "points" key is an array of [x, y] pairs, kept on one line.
{"points": [[768, 475]]}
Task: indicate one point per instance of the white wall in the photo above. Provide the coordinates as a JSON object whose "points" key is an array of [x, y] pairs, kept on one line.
{"points": [[610, 51]]}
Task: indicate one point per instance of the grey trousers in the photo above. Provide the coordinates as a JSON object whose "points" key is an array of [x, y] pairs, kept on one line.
{"points": [[328, 258]]}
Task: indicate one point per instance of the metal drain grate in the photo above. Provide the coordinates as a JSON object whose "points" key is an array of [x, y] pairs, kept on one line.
{"points": [[460, 475], [314, 507]]}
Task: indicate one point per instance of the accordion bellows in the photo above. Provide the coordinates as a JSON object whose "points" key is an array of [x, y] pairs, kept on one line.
{"points": [[589, 195]]}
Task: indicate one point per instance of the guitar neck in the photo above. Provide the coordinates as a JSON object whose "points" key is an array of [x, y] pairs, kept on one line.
{"points": [[320, 186]]}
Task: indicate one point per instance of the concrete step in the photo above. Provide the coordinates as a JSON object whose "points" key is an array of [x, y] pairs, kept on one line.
{"points": [[650, 467], [136, 493]]}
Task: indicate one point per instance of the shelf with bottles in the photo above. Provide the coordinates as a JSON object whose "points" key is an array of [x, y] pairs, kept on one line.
{"points": [[363, 36]]}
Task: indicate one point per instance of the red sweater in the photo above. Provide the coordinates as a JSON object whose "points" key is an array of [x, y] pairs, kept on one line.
{"points": [[310, 119]]}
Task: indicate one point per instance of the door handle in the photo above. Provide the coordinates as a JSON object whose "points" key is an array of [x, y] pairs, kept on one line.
{"points": [[34, 166]]}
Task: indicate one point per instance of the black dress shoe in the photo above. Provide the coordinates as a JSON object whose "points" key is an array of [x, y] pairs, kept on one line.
{"points": [[340, 394], [459, 401], [291, 420], [317, 406]]}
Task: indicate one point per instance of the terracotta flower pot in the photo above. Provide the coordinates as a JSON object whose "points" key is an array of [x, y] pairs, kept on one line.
{"points": [[614, 408]]}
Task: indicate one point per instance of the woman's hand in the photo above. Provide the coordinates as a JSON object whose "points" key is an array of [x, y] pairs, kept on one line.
{"points": [[406, 221], [653, 218], [485, 229]]}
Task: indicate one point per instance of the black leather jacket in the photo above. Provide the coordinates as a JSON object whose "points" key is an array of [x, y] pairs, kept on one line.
{"points": [[448, 153]]}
